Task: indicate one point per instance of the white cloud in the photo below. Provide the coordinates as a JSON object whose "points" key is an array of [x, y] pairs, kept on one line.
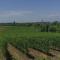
{"points": [[14, 13], [9, 16], [27, 16]]}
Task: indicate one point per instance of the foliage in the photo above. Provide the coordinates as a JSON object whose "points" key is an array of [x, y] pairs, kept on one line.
{"points": [[26, 37]]}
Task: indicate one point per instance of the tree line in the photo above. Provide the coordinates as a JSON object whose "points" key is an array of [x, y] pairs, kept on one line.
{"points": [[39, 26]]}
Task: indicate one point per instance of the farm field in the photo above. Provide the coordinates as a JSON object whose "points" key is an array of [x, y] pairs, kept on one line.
{"points": [[23, 38]]}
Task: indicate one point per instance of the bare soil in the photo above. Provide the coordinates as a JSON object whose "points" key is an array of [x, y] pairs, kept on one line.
{"points": [[37, 53], [56, 53], [16, 54], [19, 55]]}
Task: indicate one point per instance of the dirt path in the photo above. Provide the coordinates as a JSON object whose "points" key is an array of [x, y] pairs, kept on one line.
{"points": [[16, 54]]}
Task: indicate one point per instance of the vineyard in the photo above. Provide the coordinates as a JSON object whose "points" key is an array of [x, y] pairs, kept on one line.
{"points": [[27, 39]]}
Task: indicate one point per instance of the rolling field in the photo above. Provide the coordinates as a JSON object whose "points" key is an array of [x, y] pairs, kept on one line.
{"points": [[23, 37]]}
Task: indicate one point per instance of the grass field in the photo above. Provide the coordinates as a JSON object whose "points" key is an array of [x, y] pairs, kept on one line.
{"points": [[28, 37], [16, 34]]}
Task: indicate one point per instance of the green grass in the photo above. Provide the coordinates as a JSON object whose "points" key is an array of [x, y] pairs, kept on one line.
{"points": [[25, 37]]}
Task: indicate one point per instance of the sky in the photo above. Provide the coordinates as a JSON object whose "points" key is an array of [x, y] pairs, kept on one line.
{"points": [[29, 10]]}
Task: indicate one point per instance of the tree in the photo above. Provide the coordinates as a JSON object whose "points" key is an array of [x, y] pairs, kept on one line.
{"points": [[53, 28]]}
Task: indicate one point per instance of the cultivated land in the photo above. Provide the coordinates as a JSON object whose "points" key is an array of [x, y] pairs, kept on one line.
{"points": [[27, 39]]}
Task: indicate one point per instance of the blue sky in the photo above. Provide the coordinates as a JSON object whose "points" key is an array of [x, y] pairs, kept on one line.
{"points": [[29, 10]]}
